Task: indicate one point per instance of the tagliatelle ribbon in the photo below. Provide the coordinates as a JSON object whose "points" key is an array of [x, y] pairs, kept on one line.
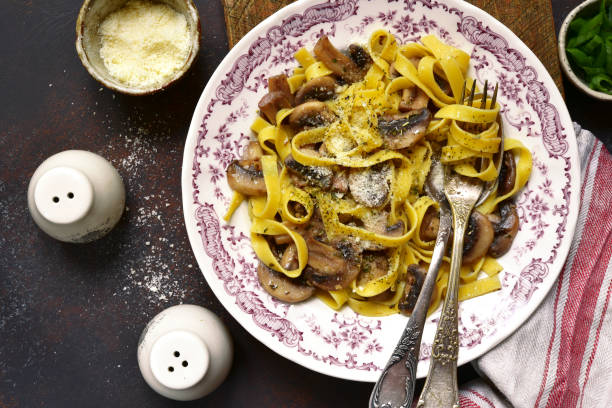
{"points": [[269, 207], [261, 247]]}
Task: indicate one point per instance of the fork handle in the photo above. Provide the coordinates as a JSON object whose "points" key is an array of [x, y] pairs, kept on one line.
{"points": [[440, 389], [395, 386]]}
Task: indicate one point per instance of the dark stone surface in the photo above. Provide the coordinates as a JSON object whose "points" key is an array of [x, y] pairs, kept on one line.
{"points": [[71, 315]]}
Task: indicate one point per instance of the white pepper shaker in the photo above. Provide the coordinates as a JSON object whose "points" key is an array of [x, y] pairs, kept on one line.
{"points": [[76, 196], [185, 352]]}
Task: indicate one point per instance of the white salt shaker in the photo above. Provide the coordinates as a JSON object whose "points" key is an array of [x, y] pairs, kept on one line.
{"points": [[185, 352], [76, 196]]}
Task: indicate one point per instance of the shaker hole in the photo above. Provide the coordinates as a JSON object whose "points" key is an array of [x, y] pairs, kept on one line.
{"points": [[171, 369], [70, 195], [56, 199], [177, 354], [185, 363]]}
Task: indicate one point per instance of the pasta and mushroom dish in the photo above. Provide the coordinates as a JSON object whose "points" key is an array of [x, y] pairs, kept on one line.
{"points": [[334, 181]]}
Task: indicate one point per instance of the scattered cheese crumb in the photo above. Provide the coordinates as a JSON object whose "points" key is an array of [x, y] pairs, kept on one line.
{"points": [[144, 43]]}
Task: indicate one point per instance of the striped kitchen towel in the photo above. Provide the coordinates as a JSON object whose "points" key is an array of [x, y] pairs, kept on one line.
{"points": [[562, 356]]}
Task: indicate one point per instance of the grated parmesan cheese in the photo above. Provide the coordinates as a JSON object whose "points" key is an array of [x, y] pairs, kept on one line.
{"points": [[144, 43]]}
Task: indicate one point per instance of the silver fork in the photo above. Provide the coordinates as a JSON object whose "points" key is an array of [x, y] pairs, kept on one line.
{"points": [[395, 386], [462, 193], [440, 389], [490, 185]]}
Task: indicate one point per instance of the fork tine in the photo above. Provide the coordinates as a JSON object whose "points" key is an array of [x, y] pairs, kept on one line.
{"points": [[483, 102], [462, 100], [494, 99], [471, 98]]}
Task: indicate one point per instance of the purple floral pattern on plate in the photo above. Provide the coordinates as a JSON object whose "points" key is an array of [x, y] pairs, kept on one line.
{"points": [[341, 343]]}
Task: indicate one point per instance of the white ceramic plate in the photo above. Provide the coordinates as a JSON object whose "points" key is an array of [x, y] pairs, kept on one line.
{"points": [[343, 344]]}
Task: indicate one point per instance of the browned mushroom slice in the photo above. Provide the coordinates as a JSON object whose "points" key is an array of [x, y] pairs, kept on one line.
{"points": [[245, 178], [413, 99], [340, 182], [414, 282], [507, 174], [360, 57], [330, 268], [311, 114], [283, 239], [282, 287], [321, 89], [289, 259], [339, 63], [430, 225], [402, 131], [252, 152], [370, 186], [505, 230], [278, 83], [478, 237], [271, 103], [317, 176], [374, 265]]}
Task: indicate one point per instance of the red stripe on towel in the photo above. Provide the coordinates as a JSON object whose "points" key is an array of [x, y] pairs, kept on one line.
{"points": [[596, 342], [465, 402], [584, 285], [556, 303], [483, 398]]}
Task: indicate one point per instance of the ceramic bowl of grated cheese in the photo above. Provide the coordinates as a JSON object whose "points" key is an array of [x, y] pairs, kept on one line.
{"points": [[137, 47]]}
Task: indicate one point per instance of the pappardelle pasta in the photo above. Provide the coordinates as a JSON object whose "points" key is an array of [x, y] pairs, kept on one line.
{"points": [[334, 181]]}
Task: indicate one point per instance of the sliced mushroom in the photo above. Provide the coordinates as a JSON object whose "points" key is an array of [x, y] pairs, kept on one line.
{"points": [[317, 176], [331, 268], [340, 182], [504, 231], [507, 223], [323, 257], [311, 114], [382, 297], [339, 63], [414, 282], [374, 265], [478, 237], [282, 287], [271, 103], [246, 178], [370, 186], [430, 224], [360, 57], [278, 83], [252, 151], [507, 174], [289, 259], [282, 239], [413, 99], [321, 89], [402, 131]]}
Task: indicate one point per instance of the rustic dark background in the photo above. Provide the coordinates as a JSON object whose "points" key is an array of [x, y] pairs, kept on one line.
{"points": [[71, 315]]}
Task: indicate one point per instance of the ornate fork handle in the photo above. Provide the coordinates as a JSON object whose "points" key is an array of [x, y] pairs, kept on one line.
{"points": [[440, 389], [395, 386]]}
